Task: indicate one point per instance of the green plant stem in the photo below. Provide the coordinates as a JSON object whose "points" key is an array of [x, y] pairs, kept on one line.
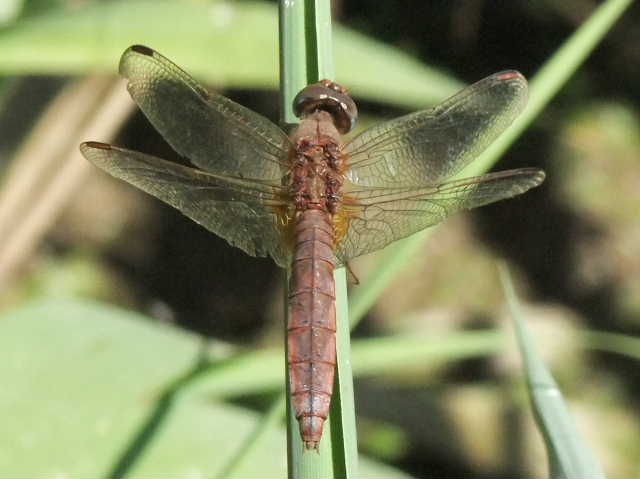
{"points": [[306, 57]]}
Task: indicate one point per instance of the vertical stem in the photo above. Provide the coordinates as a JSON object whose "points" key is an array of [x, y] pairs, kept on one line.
{"points": [[306, 56], [293, 67]]}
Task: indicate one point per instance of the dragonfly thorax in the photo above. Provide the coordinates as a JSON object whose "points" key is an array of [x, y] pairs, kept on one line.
{"points": [[315, 180]]}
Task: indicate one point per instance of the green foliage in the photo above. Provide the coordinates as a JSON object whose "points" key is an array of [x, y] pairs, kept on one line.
{"points": [[93, 390], [237, 45]]}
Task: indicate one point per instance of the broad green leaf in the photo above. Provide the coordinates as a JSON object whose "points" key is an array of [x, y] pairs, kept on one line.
{"points": [[223, 43], [78, 381], [91, 391]]}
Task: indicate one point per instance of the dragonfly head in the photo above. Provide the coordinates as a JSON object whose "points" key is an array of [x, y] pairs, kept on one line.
{"points": [[331, 97]]}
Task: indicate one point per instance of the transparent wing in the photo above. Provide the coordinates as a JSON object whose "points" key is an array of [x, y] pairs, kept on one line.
{"points": [[379, 216], [243, 212], [215, 133], [427, 147]]}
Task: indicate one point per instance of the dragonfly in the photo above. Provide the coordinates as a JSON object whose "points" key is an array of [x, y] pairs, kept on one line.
{"points": [[310, 200]]}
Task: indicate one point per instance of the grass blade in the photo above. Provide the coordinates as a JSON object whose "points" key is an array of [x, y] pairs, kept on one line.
{"points": [[569, 456], [621, 344], [269, 421], [343, 433], [259, 372]]}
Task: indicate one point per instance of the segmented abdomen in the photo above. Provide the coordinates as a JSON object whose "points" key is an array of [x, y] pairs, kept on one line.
{"points": [[312, 323]]}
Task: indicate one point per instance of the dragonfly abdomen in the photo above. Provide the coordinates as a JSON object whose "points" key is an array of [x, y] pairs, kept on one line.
{"points": [[312, 323]]}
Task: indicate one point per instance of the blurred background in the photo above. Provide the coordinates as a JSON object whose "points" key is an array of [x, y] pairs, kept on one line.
{"points": [[71, 236]]}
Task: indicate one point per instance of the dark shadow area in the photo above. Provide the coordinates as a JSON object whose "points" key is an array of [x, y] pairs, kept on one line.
{"points": [[29, 96], [212, 287]]}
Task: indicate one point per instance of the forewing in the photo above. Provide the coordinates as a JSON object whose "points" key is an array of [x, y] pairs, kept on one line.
{"points": [[215, 133], [243, 212], [427, 147], [379, 216]]}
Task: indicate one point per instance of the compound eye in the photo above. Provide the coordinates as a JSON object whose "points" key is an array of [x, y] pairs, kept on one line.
{"points": [[331, 97]]}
